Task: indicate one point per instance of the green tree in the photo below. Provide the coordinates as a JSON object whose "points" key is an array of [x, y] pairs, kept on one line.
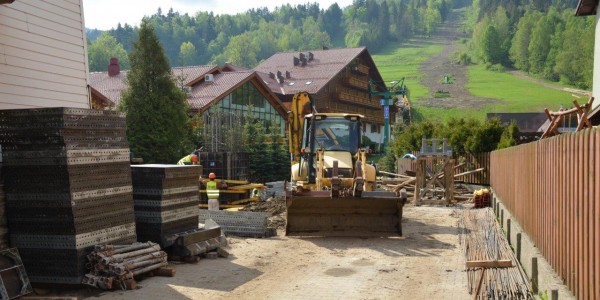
{"points": [[156, 109], [509, 136], [242, 51], [491, 49], [519, 50], [332, 19], [102, 50], [187, 54], [485, 138], [539, 45]]}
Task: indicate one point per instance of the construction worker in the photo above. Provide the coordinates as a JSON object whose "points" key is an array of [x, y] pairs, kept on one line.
{"points": [[212, 191], [191, 159]]}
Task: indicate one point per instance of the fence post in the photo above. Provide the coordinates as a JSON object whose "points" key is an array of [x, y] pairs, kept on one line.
{"points": [[534, 275], [519, 246], [508, 231], [554, 295], [502, 218]]}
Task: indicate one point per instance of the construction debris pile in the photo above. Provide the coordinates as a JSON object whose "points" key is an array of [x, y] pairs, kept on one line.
{"points": [[166, 200], [493, 270], [275, 206], [116, 266], [68, 187], [401, 181]]}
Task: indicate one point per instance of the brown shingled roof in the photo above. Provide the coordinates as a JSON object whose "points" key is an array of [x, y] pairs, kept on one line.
{"points": [[203, 94], [206, 93], [112, 87], [311, 77]]}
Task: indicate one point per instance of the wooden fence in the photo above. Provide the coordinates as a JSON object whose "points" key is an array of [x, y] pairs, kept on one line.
{"points": [[552, 187], [470, 162]]}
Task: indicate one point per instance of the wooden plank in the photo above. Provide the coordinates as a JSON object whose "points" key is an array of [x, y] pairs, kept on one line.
{"points": [[11, 101], [79, 81], [469, 172], [584, 234], [596, 213], [12, 80], [40, 9], [227, 191], [580, 209], [76, 63], [10, 29], [503, 263], [42, 94]]}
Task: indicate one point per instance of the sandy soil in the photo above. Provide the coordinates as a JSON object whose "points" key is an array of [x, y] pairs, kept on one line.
{"points": [[424, 264]]}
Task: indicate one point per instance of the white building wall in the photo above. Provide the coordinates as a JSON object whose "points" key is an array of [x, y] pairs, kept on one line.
{"points": [[374, 136], [43, 59]]}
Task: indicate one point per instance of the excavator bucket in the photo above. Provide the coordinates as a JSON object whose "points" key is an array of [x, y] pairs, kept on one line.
{"points": [[316, 213]]}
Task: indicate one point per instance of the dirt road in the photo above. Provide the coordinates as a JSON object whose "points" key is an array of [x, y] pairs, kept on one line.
{"points": [[424, 264]]}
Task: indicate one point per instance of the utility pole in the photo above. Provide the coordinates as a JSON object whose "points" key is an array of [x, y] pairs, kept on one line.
{"points": [[397, 88]]}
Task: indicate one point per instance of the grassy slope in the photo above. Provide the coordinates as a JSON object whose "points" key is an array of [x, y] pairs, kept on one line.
{"points": [[518, 95], [403, 60]]}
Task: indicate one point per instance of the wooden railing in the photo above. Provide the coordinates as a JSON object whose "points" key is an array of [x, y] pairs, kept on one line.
{"points": [[552, 187], [468, 162]]}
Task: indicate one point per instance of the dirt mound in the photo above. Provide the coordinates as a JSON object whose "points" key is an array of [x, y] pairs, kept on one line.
{"points": [[275, 206]]}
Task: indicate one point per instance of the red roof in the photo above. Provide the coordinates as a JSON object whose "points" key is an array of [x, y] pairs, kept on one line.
{"points": [[310, 78], [204, 93], [112, 87]]}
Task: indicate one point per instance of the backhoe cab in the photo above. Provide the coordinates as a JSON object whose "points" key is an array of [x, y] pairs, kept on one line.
{"points": [[332, 188]]}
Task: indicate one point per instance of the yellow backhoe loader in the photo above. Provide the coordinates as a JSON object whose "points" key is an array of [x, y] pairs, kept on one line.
{"points": [[332, 188]]}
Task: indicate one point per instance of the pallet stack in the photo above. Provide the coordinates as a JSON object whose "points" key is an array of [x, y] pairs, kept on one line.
{"points": [[68, 187], [166, 200], [3, 224]]}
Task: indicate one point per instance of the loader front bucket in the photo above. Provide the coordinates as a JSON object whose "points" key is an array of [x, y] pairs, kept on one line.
{"points": [[315, 213]]}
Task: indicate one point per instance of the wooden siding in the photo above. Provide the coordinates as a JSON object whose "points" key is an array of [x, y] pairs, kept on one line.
{"points": [[43, 59], [552, 188]]}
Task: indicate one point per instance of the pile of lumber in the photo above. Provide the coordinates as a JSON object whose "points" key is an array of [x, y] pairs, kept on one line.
{"points": [[233, 194], [407, 182], [117, 266]]}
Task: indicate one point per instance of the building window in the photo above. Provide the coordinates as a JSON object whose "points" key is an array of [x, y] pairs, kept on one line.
{"points": [[247, 94], [374, 128], [247, 100]]}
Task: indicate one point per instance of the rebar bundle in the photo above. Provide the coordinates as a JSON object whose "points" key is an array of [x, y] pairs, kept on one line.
{"points": [[115, 266], [482, 240]]}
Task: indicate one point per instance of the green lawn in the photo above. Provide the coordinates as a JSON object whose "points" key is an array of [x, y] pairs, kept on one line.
{"points": [[399, 61], [518, 95]]}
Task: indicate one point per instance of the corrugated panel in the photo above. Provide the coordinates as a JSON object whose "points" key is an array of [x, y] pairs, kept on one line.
{"points": [[552, 188]]}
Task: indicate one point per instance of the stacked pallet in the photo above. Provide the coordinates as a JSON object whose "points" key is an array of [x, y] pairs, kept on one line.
{"points": [[68, 187], [166, 200], [3, 224]]}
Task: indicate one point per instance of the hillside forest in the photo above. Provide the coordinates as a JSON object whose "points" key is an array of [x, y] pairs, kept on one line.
{"points": [[541, 37]]}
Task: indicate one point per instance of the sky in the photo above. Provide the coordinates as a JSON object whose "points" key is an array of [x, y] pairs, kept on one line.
{"points": [[106, 14]]}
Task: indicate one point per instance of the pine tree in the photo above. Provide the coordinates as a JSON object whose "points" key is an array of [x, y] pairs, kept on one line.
{"points": [[156, 109]]}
